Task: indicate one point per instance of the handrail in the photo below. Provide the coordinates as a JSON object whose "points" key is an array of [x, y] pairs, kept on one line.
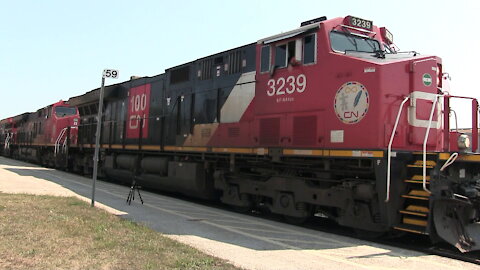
{"points": [[57, 141], [64, 146], [414, 63], [389, 152], [456, 119], [449, 161], [357, 29], [475, 114], [7, 141], [432, 111], [475, 109]]}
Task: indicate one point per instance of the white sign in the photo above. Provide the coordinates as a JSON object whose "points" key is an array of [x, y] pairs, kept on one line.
{"points": [[110, 73], [336, 136]]}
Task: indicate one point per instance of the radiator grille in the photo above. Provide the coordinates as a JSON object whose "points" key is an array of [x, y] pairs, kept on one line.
{"points": [[233, 132], [206, 132]]}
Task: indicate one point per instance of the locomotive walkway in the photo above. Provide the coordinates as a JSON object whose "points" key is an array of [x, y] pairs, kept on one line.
{"points": [[246, 241]]}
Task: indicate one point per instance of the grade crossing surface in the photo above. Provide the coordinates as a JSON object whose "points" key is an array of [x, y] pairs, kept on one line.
{"points": [[246, 241]]}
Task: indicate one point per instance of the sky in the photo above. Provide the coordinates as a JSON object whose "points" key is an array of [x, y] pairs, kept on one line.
{"points": [[52, 50]]}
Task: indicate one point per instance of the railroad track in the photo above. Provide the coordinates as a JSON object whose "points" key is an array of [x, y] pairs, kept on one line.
{"points": [[472, 257]]}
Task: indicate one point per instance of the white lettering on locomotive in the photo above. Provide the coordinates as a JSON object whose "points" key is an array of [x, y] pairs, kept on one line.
{"points": [[138, 111], [290, 85], [134, 121]]}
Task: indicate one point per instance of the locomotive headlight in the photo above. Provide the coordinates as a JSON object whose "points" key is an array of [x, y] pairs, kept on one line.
{"points": [[463, 142]]}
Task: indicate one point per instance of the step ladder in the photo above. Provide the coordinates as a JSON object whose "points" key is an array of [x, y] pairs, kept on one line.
{"points": [[415, 211]]}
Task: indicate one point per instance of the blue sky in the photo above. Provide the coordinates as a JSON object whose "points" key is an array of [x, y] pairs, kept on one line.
{"points": [[52, 50]]}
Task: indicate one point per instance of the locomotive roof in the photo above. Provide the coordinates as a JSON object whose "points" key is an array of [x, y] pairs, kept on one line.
{"points": [[93, 95], [209, 56], [289, 34], [21, 117], [111, 91]]}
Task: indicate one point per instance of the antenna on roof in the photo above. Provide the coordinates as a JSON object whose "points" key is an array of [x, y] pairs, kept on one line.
{"points": [[319, 19]]}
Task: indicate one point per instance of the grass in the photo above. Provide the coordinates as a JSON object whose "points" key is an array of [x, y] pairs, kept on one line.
{"points": [[45, 232]]}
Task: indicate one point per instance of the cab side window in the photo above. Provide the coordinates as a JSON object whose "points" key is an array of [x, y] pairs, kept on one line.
{"points": [[265, 59], [309, 51], [281, 56], [288, 51], [301, 50]]}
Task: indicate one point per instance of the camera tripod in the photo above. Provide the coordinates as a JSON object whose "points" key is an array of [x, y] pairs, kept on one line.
{"points": [[131, 195]]}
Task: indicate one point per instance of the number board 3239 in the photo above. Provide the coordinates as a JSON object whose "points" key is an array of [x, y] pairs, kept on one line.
{"points": [[361, 23]]}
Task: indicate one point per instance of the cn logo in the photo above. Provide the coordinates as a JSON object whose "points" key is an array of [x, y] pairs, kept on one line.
{"points": [[135, 120], [350, 115], [351, 102], [138, 111]]}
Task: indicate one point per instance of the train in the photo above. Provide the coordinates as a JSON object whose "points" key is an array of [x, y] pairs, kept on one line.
{"points": [[328, 119]]}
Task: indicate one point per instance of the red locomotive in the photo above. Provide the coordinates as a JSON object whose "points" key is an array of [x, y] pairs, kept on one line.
{"points": [[43, 136], [327, 119]]}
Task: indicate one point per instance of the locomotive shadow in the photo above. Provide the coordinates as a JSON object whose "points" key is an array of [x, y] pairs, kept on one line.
{"points": [[179, 218], [30, 172]]}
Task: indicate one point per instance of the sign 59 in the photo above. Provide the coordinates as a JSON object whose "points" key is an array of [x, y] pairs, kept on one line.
{"points": [[110, 73]]}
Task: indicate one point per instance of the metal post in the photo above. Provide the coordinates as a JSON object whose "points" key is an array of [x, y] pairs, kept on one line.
{"points": [[97, 140], [474, 125], [446, 123]]}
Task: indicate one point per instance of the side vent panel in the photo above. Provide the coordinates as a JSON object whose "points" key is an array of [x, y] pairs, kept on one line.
{"points": [[269, 131], [304, 130], [206, 132], [234, 132]]}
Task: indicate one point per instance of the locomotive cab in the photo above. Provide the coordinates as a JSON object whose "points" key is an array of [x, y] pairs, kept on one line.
{"points": [[7, 133], [43, 136], [63, 111], [63, 120], [341, 84]]}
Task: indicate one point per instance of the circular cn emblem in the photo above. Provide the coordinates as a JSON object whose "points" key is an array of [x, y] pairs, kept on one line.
{"points": [[427, 79], [351, 102]]}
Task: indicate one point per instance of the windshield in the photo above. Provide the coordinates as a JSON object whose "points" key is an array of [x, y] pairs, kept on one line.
{"points": [[65, 111], [344, 42]]}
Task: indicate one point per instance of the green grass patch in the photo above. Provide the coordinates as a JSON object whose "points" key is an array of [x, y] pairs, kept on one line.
{"points": [[45, 232]]}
